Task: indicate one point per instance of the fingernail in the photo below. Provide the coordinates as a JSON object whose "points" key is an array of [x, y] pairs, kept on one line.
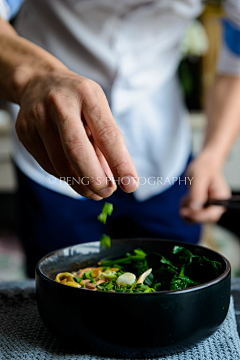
{"points": [[106, 192], [113, 185], [96, 197], [194, 205], [129, 184]]}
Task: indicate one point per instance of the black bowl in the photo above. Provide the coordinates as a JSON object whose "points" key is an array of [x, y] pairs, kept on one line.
{"points": [[129, 324]]}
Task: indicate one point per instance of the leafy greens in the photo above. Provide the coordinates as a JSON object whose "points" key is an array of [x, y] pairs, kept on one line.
{"points": [[179, 269]]}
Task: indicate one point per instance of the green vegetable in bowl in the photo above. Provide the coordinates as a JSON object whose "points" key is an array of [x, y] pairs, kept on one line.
{"points": [[180, 270], [139, 272], [181, 281]]}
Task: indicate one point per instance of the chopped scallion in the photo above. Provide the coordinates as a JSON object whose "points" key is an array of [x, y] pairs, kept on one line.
{"points": [[105, 241]]}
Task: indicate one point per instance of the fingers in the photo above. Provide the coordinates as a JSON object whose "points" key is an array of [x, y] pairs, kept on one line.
{"points": [[47, 151], [105, 167], [192, 206], [32, 142], [198, 192], [210, 214], [62, 166], [219, 189], [77, 148], [109, 139], [204, 187]]}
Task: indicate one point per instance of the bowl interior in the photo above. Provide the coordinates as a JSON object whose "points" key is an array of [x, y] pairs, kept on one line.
{"points": [[88, 254]]}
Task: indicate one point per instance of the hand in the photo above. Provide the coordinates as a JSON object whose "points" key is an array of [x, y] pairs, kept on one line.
{"points": [[208, 183], [66, 125]]}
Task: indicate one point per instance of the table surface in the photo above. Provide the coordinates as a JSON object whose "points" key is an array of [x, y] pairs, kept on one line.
{"points": [[236, 297]]}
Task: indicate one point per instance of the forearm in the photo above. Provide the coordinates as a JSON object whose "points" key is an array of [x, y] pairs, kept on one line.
{"points": [[223, 113], [20, 60]]}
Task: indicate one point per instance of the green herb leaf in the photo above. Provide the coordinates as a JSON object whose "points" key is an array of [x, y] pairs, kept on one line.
{"points": [[88, 275], [217, 266], [185, 255], [181, 281], [140, 252], [109, 274], [105, 241], [141, 266], [107, 208], [99, 288], [148, 290], [157, 286], [167, 262], [106, 268], [77, 279], [133, 285], [102, 218], [126, 260]]}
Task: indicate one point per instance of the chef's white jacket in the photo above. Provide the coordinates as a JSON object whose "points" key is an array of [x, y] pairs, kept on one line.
{"points": [[132, 49]]}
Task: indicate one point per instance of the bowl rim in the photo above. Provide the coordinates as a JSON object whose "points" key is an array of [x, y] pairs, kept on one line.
{"points": [[213, 282]]}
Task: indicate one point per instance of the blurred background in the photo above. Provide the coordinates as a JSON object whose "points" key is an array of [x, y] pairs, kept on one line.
{"points": [[200, 49]]}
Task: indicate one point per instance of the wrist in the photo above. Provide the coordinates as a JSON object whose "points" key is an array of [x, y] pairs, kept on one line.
{"points": [[212, 157], [23, 61], [24, 74]]}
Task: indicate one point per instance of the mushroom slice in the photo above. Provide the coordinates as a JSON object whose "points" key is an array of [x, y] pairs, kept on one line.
{"points": [[126, 279], [143, 276]]}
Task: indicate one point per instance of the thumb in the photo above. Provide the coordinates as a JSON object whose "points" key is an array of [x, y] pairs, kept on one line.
{"points": [[198, 192]]}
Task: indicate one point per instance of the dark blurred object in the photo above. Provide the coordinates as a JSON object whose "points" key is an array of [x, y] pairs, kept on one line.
{"points": [[7, 211], [232, 203], [189, 72], [230, 220]]}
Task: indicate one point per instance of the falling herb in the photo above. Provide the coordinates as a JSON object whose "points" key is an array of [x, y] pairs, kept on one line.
{"points": [[107, 210], [105, 241]]}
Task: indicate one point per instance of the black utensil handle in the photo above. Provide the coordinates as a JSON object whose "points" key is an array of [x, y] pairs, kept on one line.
{"points": [[232, 203]]}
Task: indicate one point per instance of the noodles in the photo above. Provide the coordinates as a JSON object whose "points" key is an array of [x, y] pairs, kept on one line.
{"points": [[103, 279]]}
